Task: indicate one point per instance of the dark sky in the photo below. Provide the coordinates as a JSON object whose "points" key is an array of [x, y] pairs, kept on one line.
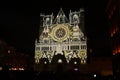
{"points": [[19, 21]]}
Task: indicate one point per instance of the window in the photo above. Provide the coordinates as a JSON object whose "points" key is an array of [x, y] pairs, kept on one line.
{"points": [[37, 48], [83, 47], [68, 47], [50, 48], [74, 47], [45, 48]]}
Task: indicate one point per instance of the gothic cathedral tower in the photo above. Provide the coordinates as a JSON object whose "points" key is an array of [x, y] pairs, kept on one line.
{"points": [[62, 40]]}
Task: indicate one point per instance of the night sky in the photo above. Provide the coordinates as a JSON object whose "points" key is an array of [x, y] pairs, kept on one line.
{"points": [[19, 22]]}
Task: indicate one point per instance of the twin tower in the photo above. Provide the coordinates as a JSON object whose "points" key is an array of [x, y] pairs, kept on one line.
{"points": [[62, 40]]}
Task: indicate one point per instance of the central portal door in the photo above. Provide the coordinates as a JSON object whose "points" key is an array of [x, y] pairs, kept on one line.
{"points": [[59, 61]]}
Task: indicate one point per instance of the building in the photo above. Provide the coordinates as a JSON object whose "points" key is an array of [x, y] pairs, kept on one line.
{"points": [[11, 60], [113, 12], [62, 42], [3, 51]]}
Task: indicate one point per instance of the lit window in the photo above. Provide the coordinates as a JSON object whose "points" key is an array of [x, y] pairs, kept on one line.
{"points": [[111, 34], [119, 49], [113, 52], [114, 31], [0, 68], [21, 69], [8, 51]]}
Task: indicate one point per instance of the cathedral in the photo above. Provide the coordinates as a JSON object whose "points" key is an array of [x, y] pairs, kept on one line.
{"points": [[61, 42]]}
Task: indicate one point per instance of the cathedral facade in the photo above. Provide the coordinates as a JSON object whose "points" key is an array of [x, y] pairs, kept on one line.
{"points": [[62, 40]]}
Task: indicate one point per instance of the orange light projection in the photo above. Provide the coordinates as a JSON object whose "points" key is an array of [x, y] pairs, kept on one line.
{"points": [[116, 50], [114, 30]]}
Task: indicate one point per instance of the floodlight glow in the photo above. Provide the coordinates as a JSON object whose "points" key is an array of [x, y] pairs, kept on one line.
{"points": [[45, 62], [94, 75], [59, 60], [75, 69], [75, 62]]}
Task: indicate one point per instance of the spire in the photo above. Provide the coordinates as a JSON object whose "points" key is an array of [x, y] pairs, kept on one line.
{"points": [[61, 18]]}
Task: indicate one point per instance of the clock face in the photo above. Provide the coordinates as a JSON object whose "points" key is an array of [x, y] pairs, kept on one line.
{"points": [[60, 32]]}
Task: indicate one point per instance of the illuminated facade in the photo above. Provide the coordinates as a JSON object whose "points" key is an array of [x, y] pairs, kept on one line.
{"points": [[62, 37]]}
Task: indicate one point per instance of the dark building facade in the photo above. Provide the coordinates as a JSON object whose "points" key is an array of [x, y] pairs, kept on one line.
{"points": [[113, 12], [12, 60]]}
